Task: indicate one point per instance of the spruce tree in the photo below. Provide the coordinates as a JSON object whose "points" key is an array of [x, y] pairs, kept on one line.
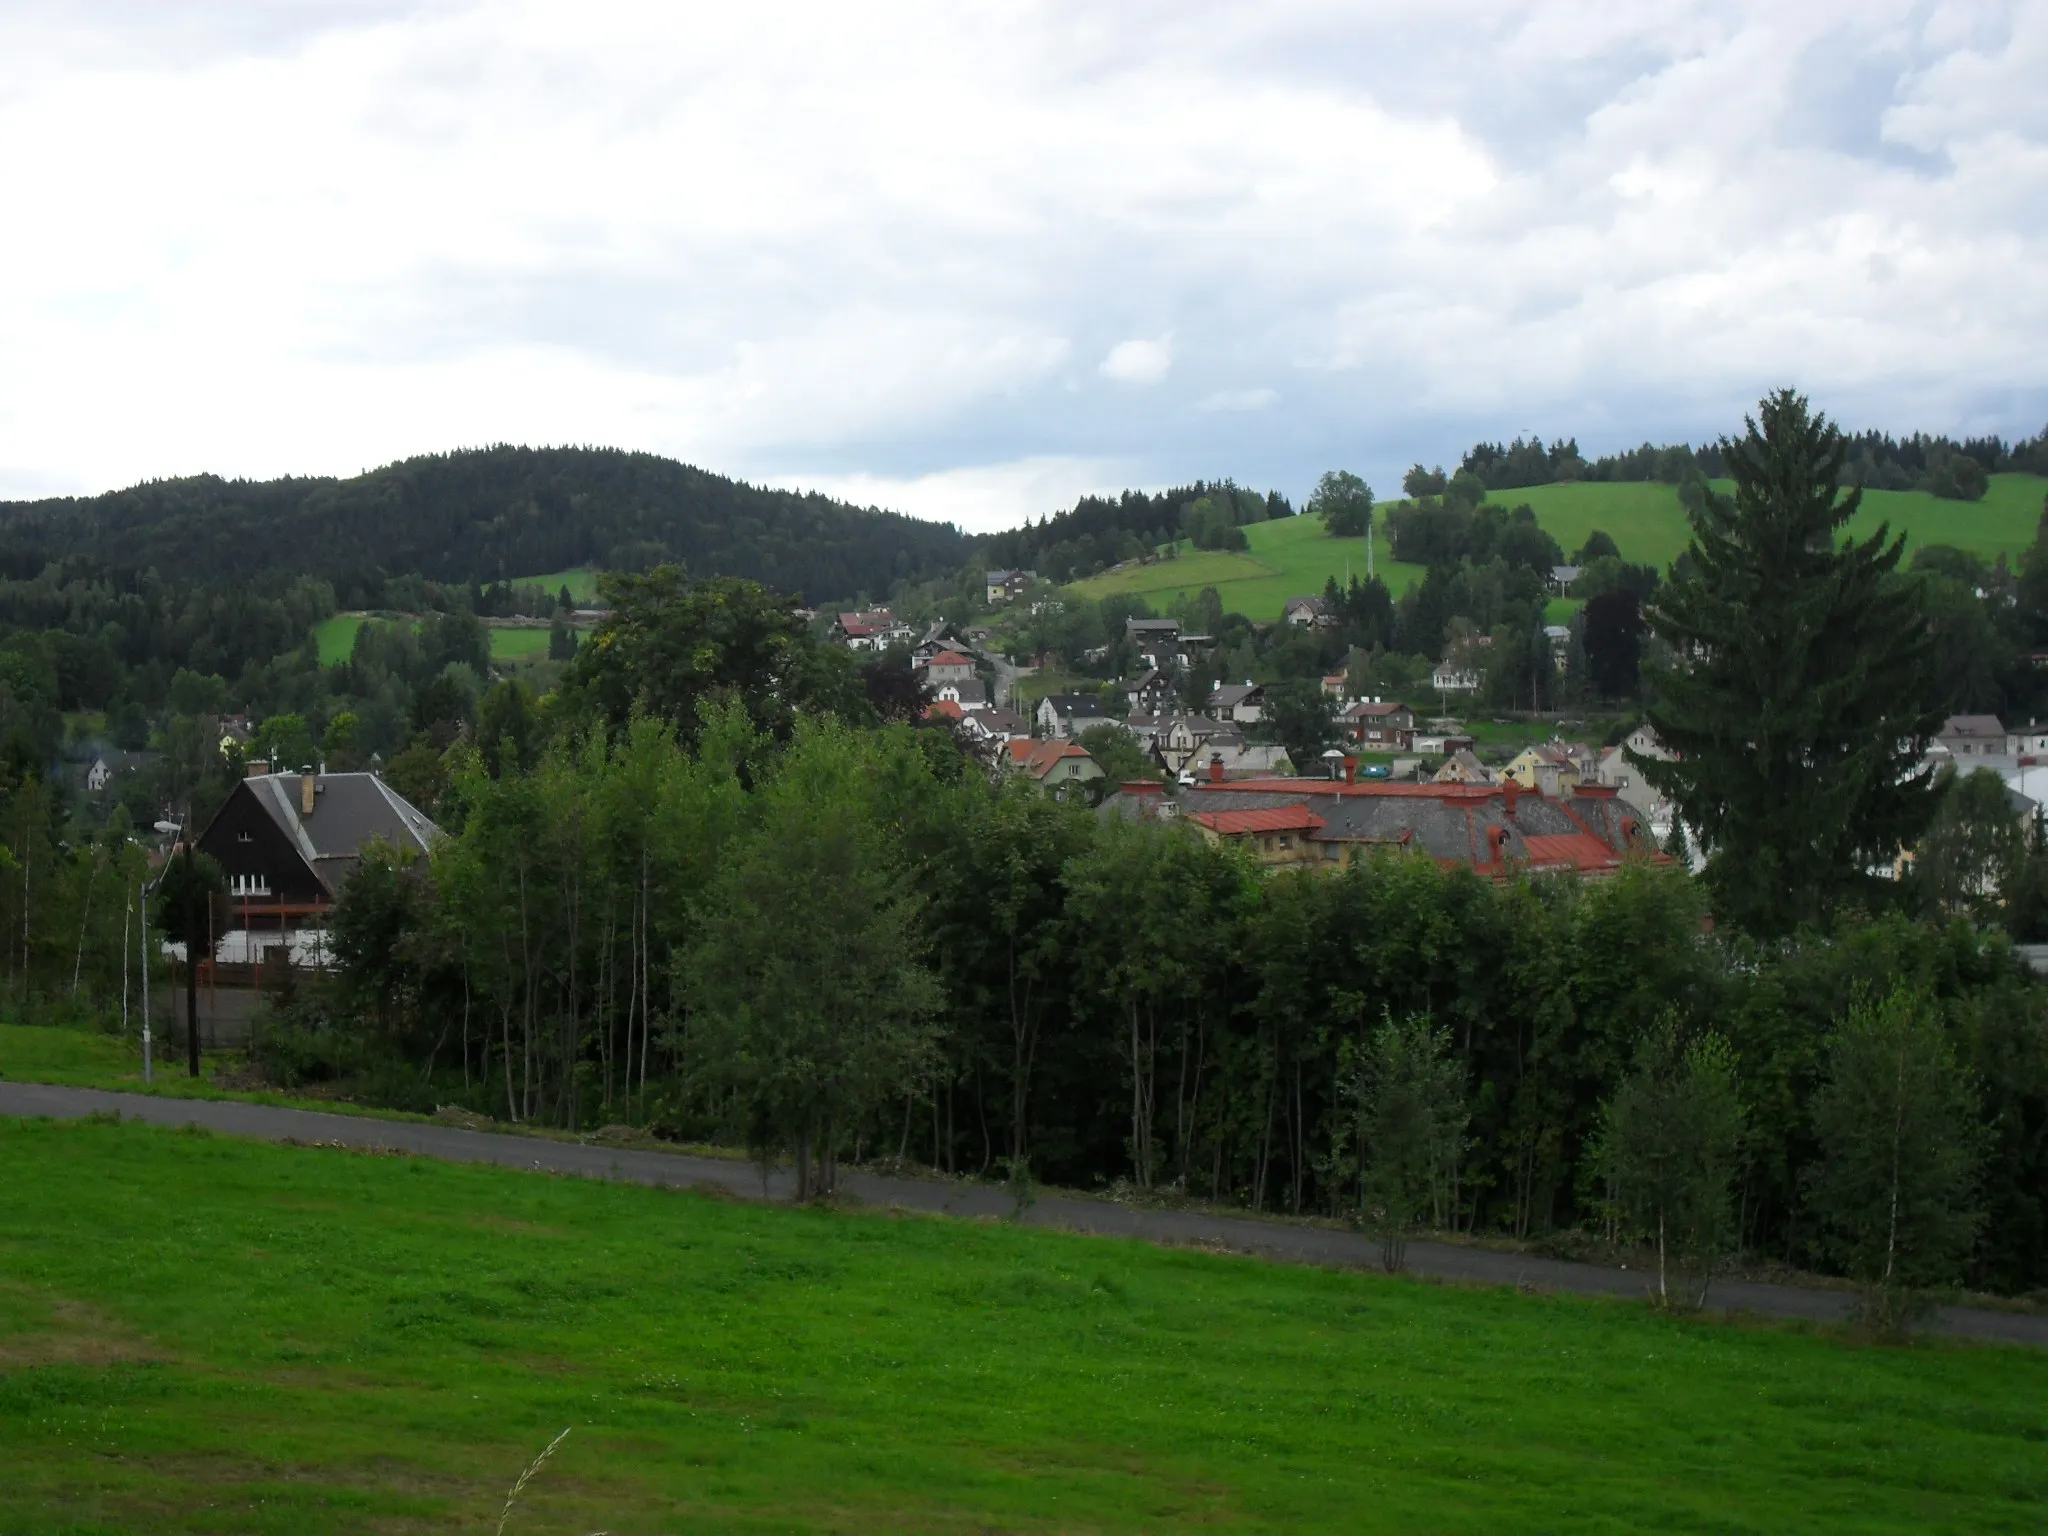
{"points": [[1794, 697]]}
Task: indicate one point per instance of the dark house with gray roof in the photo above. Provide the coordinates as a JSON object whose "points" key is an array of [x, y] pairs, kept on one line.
{"points": [[289, 841]]}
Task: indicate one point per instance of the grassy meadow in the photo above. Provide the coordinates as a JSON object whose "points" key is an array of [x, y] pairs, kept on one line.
{"points": [[1294, 556], [335, 639], [199, 1334]]}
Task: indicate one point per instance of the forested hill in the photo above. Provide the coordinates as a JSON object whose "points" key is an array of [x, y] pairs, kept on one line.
{"points": [[487, 514]]}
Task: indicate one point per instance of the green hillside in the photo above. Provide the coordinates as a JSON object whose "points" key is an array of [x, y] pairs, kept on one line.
{"points": [[335, 638], [1290, 557], [199, 1334], [1646, 521], [1293, 556]]}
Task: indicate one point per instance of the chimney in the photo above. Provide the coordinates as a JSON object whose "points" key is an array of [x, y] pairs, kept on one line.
{"points": [[1215, 767], [257, 769], [1350, 768], [307, 784], [1514, 793]]}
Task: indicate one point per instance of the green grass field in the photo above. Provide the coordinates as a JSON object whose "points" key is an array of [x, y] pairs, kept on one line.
{"points": [[199, 1334], [336, 638], [1649, 525], [1295, 557], [581, 582], [1292, 557]]}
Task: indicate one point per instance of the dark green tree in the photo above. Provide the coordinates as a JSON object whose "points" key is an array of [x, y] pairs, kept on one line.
{"points": [[1794, 697], [561, 638], [1900, 1146], [670, 644], [1298, 713], [1670, 1146], [1408, 1089], [1344, 503]]}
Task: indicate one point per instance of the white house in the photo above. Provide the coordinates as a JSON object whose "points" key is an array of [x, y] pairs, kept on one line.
{"points": [[1449, 677], [1239, 703]]}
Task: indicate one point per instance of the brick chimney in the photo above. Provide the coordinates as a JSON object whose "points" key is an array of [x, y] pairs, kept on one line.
{"points": [[1350, 768], [1215, 767], [257, 769], [1514, 793], [308, 783]]}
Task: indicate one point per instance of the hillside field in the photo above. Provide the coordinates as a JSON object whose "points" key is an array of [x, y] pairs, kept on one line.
{"points": [[1295, 557], [336, 638], [199, 1334], [1290, 557]]}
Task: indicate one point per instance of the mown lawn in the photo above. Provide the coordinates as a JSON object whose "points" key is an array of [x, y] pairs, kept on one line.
{"points": [[200, 1334]]}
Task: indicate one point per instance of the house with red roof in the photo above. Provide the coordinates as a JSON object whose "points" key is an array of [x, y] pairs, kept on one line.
{"points": [[1054, 763]]}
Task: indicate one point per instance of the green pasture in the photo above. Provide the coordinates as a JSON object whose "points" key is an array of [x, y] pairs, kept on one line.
{"points": [[581, 582], [336, 638], [199, 1334], [1291, 557], [1294, 557], [1649, 526]]}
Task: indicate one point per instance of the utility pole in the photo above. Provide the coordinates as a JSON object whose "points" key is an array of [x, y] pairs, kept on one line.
{"points": [[148, 1067], [191, 956]]}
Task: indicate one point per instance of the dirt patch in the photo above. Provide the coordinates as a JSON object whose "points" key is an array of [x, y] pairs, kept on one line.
{"points": [[78, 1334]]}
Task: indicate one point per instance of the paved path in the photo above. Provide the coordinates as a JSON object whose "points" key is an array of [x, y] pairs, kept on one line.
{"points": [[1316, 1245]]}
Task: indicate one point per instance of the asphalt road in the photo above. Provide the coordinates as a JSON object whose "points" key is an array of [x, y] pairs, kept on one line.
{"points": [[1271, 1239]]}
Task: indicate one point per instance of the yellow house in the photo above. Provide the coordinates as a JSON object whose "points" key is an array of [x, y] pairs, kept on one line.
{"points": [[1543, 768], [1276, 836]]}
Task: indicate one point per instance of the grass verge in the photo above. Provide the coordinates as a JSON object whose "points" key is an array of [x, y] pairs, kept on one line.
{"points": [[202, 1334]]}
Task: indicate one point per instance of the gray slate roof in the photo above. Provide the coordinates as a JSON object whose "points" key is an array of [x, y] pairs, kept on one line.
{"points": [[349, 811]]}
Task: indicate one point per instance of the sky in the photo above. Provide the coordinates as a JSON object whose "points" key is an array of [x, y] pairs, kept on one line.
{"points": [[970, 261]]}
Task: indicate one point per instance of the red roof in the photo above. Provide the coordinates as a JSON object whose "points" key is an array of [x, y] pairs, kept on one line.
{"points": [[944, 707], [1040, 757], [950, 659], [1365, 787], [1282, 818], [1580, 850]]}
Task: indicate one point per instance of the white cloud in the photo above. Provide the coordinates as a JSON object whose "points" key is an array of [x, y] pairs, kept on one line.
{"points": [[1138, 361], [884, 243], [981, 498], [1241, 400]]}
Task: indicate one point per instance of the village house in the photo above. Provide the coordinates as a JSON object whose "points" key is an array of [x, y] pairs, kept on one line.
{"points": [[871, 629], [1450, 677], [1238, 703], [996, 725], [1496, 830], [1307, 613], [1378, 725], [1157, 641], [948, 666], [1149, 693], [1973, 736], [1063, 715], [288, 842], [1056, 765], [970, 693], [1462, 766], [1004, 586], [1545, 766], [1615, 768], [1175, 739], [1333, 690]]}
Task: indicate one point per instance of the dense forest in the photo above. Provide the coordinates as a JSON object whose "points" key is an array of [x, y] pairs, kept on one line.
{"points": [[495, 514]]}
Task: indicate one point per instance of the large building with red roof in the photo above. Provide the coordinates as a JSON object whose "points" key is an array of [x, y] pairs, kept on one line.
{"points": [[1497, 830]]}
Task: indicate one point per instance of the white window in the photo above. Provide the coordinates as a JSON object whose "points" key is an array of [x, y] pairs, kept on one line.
{"points": [[249, 885]]}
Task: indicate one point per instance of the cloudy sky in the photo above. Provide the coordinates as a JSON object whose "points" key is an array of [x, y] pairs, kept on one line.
{"points": [[970, 260]]}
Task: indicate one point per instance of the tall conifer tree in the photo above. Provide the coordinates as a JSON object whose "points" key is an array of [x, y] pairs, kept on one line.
{"points": [[1795, 697]]}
